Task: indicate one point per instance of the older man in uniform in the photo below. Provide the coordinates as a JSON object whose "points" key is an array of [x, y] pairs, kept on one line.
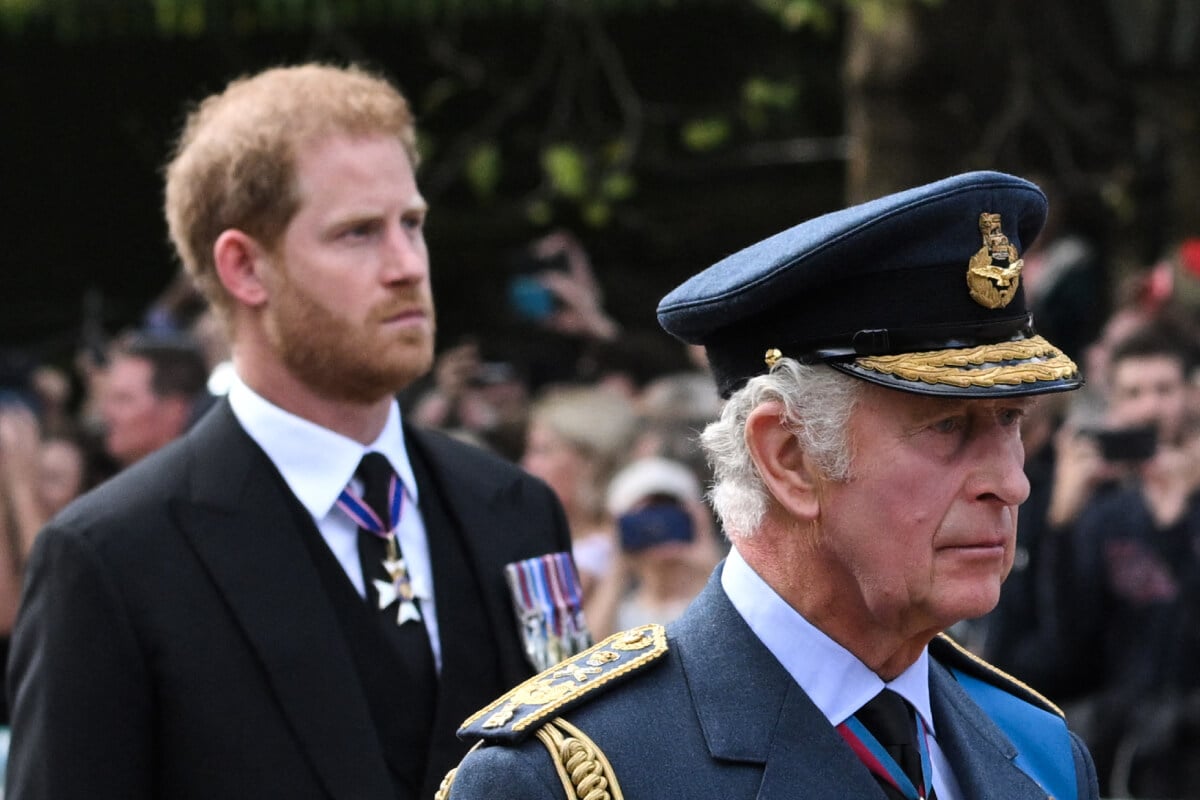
{"points": [[877, 362]]}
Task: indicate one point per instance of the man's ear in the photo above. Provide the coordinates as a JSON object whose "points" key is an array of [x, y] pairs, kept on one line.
{"points": [[240, 261], [787, 472]]}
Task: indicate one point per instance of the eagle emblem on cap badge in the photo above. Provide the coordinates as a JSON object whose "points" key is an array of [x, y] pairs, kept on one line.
{"points": [[994, 273]]}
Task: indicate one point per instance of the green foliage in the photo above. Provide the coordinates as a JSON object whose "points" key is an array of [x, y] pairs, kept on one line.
{"points": [[539, 211], [877, 14], [73, 19], [821, 15], [591, 180], [564, 167], [705, 134], [618, 186], [483, 168], [797, 14], [763, 98], [570, 118], [596, 213], [439, 92], [15, 13], [763, 92]]}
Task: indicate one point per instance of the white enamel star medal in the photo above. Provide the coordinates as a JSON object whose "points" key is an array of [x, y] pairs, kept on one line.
{"points": [[400, 587]]}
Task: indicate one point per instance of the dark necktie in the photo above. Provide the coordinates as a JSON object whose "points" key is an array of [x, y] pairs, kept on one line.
{"points": [[408, 638], [891, 720]]}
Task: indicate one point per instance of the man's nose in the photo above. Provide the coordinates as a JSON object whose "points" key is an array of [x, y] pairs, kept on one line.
{"points": [[999, 472], [404, 257]]}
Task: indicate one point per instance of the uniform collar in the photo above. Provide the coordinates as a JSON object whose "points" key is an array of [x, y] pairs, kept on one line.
{"points": [[833, 678]]}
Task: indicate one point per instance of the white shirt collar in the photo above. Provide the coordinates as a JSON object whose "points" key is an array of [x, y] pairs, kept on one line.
{"points": [[836, 681], [315, 462]]}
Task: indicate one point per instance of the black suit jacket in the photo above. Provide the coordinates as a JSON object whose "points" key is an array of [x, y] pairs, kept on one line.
{"points": [[174, 640]]}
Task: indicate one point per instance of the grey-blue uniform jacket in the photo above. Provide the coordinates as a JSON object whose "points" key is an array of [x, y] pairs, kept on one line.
{"points": [[704, 710]]}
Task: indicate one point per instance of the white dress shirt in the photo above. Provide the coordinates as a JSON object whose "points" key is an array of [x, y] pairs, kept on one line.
{"points": [[317, 464], [836, 681]]}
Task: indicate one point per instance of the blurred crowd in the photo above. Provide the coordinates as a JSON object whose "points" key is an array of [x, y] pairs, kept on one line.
{"points": [[1101, 612]]}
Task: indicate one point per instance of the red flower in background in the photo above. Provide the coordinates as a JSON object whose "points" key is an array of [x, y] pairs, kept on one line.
{"points": [[1189, 256]]}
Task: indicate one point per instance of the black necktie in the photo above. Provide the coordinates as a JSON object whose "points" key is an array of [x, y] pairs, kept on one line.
{"points": [[891, 720], [410, 640]]}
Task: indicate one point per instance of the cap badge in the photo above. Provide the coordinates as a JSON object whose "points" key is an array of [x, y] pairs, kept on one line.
{"points": [[994, 273]]}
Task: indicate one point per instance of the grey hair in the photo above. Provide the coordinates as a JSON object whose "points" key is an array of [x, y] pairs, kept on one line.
{"points": [[817, 402]]}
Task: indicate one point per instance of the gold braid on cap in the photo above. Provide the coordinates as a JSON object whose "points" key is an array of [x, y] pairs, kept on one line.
{"points": [[981, 366], [584, 771]]}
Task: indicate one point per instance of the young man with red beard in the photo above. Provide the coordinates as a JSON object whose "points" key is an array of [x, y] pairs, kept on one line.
{"points": [[237, 615]]}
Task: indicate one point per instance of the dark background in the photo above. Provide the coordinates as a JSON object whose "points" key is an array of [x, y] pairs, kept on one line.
{"points": [[877, 98], [89, 124]]}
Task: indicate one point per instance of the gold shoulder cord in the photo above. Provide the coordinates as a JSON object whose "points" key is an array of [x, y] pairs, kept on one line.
{"points": [[584, 771], [443, 790]]}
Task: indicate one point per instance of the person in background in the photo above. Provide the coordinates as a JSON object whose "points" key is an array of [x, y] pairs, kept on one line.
{"points": [[668, 546], [62, 473], [150, 394], [578, 438], [672, 411], [21, 513], [487, 401], [213, 340], [1130, 603], [38, 476], [302, 595], [868, 469], [52, 388]]}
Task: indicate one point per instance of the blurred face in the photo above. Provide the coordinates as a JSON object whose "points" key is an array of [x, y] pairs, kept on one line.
{"points": [[351, 311], [553, 459], [60, 475], [1148, 390], [922, 533], [136, 420]]}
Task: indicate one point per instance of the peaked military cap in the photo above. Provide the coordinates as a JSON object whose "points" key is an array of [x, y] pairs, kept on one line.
{"points": [[919, 291]]}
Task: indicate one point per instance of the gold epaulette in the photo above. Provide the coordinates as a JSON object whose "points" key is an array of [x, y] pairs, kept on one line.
{"points": [[948, 651], [581, 765], [525, 708]]}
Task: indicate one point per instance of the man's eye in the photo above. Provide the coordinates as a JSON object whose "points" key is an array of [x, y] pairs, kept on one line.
{"points": [[948, 425], [360, 230], [1011, 416]]}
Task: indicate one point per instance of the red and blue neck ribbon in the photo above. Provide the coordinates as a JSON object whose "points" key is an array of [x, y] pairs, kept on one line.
{"points": [[877, 759], [366, 518]]}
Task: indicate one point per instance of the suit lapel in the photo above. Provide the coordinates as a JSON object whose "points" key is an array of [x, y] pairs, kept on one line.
{"points": [[491, 530], [239, 521], [979, 753], [463, 495], [752, 711]]}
